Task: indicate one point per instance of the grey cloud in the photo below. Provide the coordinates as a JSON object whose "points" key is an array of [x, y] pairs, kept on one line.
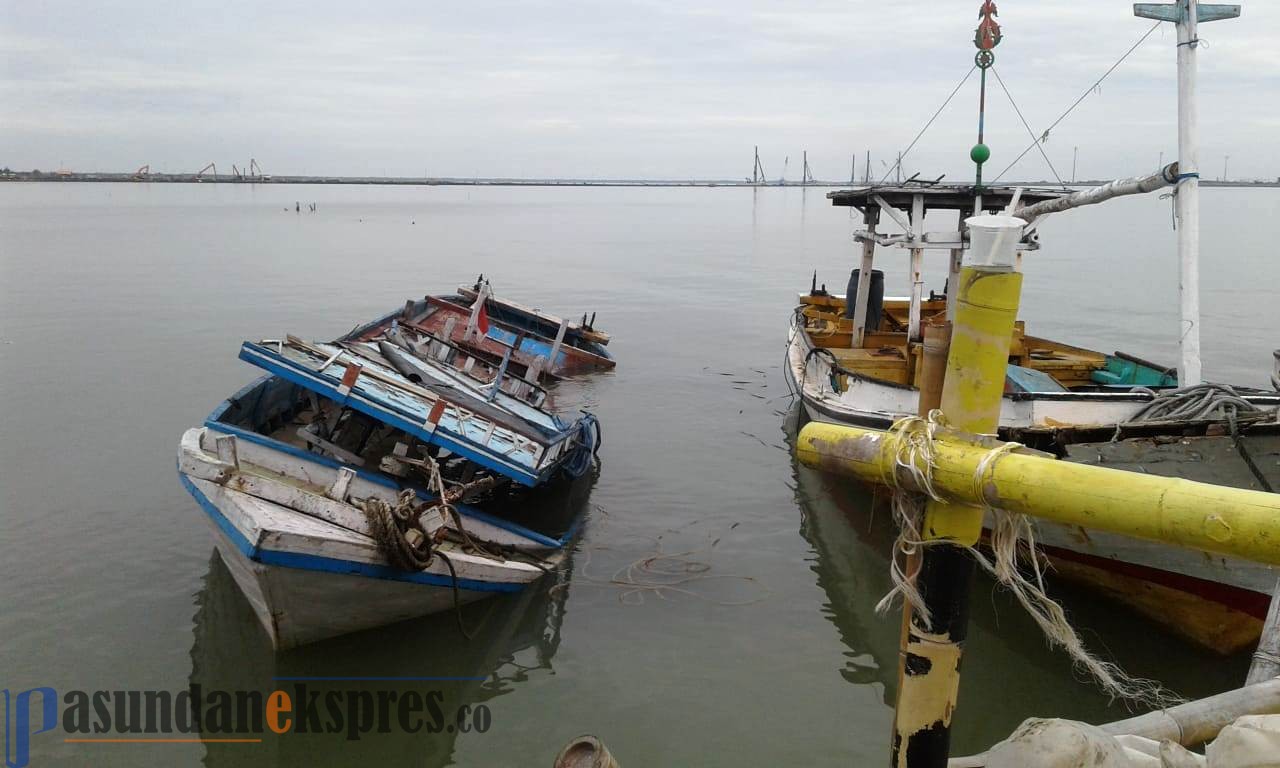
{"points": [[605, 89]]}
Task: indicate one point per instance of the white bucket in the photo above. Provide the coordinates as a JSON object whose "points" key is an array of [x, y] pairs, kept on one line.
{"points": [[993, 240]]}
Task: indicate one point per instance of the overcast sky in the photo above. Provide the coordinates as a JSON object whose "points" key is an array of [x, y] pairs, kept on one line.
{"points": [[673, 89]]}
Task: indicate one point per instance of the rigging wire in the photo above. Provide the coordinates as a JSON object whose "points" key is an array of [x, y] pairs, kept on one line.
{"points": [[1036, 142], [898, 163], [1075, 104]]}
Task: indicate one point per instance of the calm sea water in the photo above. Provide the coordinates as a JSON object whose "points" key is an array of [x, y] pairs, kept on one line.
{"points": [[121, 311]]}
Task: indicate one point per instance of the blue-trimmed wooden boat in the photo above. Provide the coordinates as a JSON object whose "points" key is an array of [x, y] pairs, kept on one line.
{"points": [[291, 472]]}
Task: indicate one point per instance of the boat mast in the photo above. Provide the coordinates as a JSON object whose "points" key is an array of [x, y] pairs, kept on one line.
{"points": [[986, 37], [1186, 14]]}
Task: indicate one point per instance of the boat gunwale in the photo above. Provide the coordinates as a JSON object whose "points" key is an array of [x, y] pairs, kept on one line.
{"points": [[213, 421], [258, 553], [394, 416], [1258, 396]]}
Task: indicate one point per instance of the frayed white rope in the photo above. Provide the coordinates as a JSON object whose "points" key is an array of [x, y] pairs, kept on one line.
{"points": [[1012, 541], [910, 440]]}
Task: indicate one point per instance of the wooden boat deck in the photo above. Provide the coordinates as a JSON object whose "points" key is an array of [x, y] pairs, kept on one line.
{"points": [[888, 355]]}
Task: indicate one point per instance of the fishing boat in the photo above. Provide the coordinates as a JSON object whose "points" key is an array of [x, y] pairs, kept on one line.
{"points": [[863, 358], [339, 485], [541, 346], [861, 361]]}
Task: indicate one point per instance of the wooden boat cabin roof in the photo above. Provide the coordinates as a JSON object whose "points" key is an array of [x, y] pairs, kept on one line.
{"points": [[954, 197], [891, 354]]}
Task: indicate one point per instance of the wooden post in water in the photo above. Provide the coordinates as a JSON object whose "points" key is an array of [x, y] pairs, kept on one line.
{"points": [[933, 369]]}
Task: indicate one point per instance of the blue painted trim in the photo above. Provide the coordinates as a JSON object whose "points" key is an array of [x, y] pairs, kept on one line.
{"points": [[373, 477], [574, 527], [239, 395], [388, 414], [386, 482], [330, 564], [467, 511], [505, 525]]}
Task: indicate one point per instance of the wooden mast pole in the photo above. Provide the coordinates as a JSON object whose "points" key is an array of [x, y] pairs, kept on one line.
{"points": [[1187, 200], [1186, 15]]}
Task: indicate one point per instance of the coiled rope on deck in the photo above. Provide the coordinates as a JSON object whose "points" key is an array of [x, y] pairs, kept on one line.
{"points": [[389, 527], [1012, 542], [1202, 402], [401, 538]]}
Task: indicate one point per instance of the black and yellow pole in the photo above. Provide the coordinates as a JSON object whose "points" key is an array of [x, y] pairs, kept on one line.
{"points": [[986, 308]]}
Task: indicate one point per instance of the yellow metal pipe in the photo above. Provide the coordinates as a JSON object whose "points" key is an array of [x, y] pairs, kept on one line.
{"points": [[980, 337], [1212, 518], [972, 393]]}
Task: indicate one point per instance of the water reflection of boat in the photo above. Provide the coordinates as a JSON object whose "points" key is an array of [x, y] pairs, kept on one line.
{"points": [[1009, 672], [514, 637]]}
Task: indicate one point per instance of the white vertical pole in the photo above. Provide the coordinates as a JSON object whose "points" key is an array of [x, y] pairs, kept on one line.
{"points": [[914, 332], [864, 282], [482, 296], [1187, 199], [554, 355]]}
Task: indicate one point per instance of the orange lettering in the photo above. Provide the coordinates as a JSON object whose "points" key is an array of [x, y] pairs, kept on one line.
{"points": [[279, 703]]}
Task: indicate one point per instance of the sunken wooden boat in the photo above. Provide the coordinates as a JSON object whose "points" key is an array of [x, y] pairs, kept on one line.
{"points": [[539, 346], [381, 477], [858, 358]]}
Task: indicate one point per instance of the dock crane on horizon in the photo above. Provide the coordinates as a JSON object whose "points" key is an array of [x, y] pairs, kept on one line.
{"points": [[200, 173], [251, 172]]}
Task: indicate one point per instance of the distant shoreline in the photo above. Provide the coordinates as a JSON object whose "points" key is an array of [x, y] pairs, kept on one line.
{"points": [[190, 178]]}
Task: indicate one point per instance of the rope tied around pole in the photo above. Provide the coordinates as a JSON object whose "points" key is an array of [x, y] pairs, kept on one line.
{"points": [[910, 443], [1012, 542]]}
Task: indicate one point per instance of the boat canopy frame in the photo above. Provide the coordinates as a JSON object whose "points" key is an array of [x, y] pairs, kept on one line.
{"points": [[907, 205]]}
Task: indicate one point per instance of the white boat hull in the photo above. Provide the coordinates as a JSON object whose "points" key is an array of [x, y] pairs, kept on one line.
{"points": [[872, 403], [297, 606], [302, 561]]}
